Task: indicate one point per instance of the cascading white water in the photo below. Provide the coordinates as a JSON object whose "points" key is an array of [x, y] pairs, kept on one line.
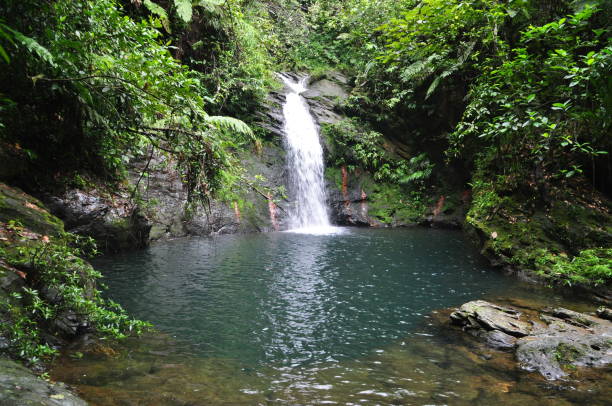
{"points": [[305, 163]]}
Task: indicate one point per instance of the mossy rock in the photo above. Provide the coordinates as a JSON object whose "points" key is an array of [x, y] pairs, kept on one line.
{"points": [[392, 205], [19, 386], [17, 205]]}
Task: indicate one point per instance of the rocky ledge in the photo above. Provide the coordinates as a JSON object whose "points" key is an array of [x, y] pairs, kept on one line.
{"points": [[552, 342]]}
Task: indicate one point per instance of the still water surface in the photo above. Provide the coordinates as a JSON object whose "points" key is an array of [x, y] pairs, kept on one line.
{"points": [[296, 319]]}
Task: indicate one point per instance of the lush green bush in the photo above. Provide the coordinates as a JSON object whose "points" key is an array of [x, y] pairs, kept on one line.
{"points": [[592, 266], [59, 282], [547, 105]]}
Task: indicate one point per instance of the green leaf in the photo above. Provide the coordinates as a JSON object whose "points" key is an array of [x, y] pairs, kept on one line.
{"points": [[223, 122], [209, 4], [184, 9], [33, 46], [4, 55], [155, 9], [160, 12], [433, 86]]}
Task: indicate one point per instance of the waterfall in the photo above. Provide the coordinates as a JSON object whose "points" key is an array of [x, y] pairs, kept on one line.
{"points": [[308, 213]]}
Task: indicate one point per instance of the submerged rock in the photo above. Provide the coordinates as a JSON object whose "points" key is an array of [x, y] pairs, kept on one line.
{"points": [[20, 387], [552, 342]]}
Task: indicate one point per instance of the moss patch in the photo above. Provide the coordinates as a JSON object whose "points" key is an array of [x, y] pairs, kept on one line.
{"points": [[393, 205], [15, 204], [566, 355], [564, 242]]}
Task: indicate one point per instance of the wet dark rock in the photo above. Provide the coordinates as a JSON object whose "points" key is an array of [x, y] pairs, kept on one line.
{"points": [[20, 387], [9, 278], [160, 210], [552, 342], [271, 115], [163, 198], [68, 323], [324, 96], [114, 222], [351, 210], [453, 221]]}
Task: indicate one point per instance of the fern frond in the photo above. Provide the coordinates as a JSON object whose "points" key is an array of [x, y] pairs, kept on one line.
{"points": [[230, 123], [209, 4], [33, 46], [420, 69], [433, 86]]}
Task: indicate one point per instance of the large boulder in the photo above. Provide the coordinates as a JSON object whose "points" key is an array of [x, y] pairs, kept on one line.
{"points": [[30, 212], [480, 314], [552, 342]]}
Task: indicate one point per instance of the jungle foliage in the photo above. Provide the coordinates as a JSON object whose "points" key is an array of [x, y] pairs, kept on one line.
{"points": [[355, 146], [525, 79], [87, 85], [61, 289]]}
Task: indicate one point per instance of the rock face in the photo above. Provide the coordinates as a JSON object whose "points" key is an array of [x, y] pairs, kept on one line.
{"points": [[159, 209], [552, 342], [20, 387], [324, 96], [114, 221]]}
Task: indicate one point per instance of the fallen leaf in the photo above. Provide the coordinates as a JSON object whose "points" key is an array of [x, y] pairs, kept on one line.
{"points": [[58, 396]]}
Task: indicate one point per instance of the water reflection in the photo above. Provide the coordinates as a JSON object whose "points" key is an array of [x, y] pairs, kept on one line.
{"points": [[296, 300], [284, 318]]}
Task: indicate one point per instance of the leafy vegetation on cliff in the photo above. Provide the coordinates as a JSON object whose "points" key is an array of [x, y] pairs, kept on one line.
{"points": [[90, 84], [46, 288]]}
